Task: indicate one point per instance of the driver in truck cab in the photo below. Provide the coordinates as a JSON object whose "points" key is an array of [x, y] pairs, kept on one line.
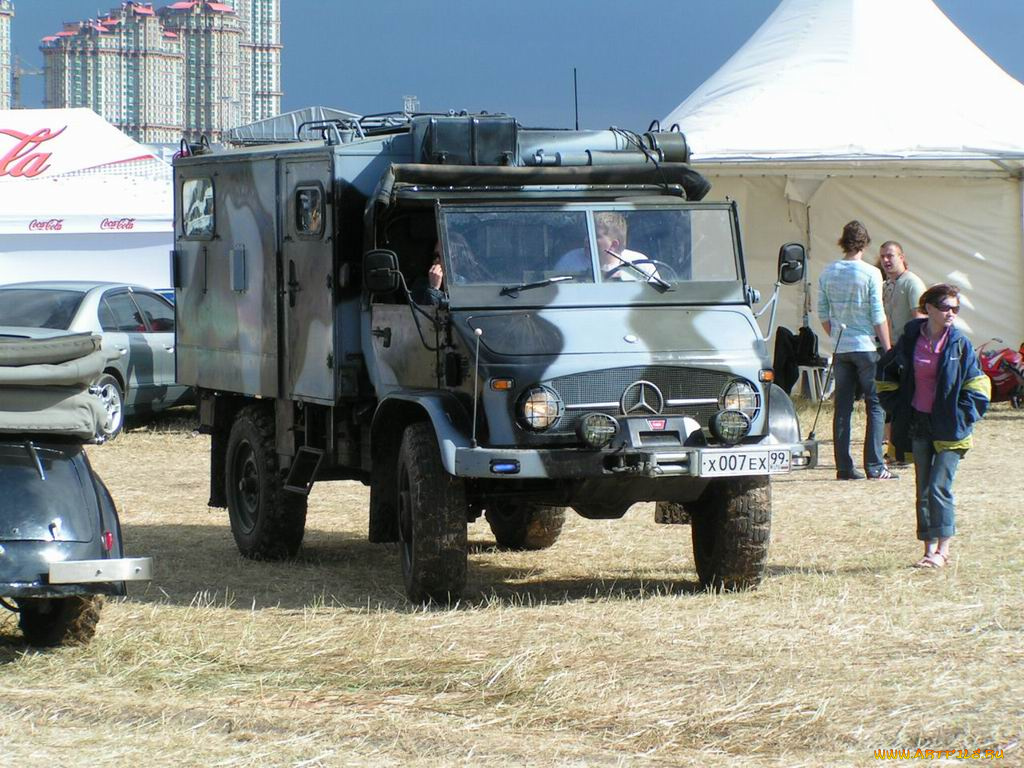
{"points": [[616, 260], [431, 288]]}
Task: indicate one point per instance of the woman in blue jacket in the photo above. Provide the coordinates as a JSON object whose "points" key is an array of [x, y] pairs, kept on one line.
{"points": [[937, 390]]}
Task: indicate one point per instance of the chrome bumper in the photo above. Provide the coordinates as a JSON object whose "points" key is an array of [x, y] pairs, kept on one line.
{"points": [[95, 571], [576, 463]]}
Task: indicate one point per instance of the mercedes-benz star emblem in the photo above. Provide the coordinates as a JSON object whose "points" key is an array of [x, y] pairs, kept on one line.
{"points": [[641, 397]]}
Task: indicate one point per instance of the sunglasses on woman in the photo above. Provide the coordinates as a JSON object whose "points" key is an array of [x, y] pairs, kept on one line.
{"points": [[954, 308]]}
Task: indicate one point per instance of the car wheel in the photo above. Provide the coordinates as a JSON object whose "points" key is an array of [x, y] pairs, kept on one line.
{"points": [[731, 526], [112, 397], [47, 622], [267, 521], [525, 525], [431, 520]]}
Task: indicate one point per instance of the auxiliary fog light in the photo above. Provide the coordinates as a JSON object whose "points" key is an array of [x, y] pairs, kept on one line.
{"points": [[597, 429], [539, 409], [740, 395], [730, 427]]}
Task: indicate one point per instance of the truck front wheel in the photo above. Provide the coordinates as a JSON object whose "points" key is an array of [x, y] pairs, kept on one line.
{"points": [[53, 621], [731, 526], [525, 525], [431, 520], [267, 521]]}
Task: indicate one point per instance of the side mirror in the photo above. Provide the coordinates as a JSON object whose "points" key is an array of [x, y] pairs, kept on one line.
{"points": [[792, 261], [380, 271]]}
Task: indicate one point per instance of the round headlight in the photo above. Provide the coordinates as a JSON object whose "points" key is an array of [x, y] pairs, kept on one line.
{"points": [[740, 395], [730, 427], [539, 409], [597, 429]]}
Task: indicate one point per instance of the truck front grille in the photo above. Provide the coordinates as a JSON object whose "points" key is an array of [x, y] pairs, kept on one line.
{"points": [[602, 391]]}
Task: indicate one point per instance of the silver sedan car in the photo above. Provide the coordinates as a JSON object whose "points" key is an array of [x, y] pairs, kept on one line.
{"points": [[135, 321]]}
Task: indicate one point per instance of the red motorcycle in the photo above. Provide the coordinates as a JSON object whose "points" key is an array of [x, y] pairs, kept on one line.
{"points": [[1005, 368]]}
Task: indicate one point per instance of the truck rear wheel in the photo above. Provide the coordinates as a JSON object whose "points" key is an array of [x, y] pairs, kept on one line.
{"points": [[431, 520], [525, 525], [267, 521], [51, 621], [731, 526]]}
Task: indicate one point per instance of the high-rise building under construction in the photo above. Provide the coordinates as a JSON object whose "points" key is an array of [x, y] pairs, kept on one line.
{"points": [[6, 61], [187, 69]]}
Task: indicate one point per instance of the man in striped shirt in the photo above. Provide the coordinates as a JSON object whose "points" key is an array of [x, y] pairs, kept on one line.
{"points": [[850, 310]]}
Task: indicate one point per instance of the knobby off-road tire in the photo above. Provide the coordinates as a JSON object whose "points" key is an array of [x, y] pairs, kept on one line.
{"points": [[431, 520], [731, 527], [525, 525], [267, 521], [51, 621], [671, 513]]}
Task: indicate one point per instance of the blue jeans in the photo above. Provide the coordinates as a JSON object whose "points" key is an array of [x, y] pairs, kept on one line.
{"points": [[853, 370], [934, 473]]}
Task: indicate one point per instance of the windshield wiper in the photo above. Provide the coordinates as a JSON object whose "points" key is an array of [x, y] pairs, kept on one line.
{"points": [[513, 290], [30, 449], [648, 276]]}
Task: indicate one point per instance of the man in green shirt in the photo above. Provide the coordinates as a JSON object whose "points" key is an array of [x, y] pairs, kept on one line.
{"points": [[901, 291]]}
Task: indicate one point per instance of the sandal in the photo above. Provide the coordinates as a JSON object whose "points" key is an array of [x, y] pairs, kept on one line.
{"points": [[932, 560]]}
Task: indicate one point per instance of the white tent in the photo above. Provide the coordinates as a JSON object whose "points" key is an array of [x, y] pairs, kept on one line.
{"points": [[80, 200], [874, 110]]}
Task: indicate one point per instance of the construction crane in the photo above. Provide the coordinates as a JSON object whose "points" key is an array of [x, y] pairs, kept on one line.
{"points": [[19, 72]]}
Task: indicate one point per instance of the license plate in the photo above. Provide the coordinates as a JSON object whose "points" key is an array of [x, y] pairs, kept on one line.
{"points": [[732, 463]]}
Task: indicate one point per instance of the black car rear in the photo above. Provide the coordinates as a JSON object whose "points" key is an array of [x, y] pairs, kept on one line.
{"points": [[53, 509], [60, 538]]}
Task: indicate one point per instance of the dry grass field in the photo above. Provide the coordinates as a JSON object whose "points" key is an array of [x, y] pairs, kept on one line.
{"points": [[600, 651]]}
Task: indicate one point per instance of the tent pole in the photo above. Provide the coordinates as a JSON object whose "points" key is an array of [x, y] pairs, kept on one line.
{"points": [[807, 273]]}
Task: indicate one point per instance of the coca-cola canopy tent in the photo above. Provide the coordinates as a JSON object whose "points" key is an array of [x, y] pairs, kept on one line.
{"points": [[81, 200], [874, 110]]}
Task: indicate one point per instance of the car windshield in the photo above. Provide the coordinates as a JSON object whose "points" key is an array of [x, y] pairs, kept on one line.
{"points": [[524, 247], [38, 307]]}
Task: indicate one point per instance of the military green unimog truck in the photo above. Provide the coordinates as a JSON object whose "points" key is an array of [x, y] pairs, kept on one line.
{"points": [[477, 318]]}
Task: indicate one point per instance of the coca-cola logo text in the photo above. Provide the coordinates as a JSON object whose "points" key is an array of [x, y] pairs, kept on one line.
{"points": [[123, 223], [22, 160], [46, 225]]}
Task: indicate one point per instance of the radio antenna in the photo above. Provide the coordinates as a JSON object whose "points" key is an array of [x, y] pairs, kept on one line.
{"points": [[478, 332], [576, 97]]}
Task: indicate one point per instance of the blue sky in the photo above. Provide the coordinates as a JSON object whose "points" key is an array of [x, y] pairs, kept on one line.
{"points": [[634, 61]]}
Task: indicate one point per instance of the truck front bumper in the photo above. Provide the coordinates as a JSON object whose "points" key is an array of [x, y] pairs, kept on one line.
{"points": [[703, 462]]}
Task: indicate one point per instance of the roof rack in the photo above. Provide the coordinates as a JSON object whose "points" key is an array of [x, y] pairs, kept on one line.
{"points": [[342, 130]]}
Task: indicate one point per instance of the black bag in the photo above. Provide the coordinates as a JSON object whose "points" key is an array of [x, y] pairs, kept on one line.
{"points": [[785, 363], [807, 349]]}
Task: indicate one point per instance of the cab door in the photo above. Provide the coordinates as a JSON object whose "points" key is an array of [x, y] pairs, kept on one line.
{"points": [[401, 359], [307, 261]]}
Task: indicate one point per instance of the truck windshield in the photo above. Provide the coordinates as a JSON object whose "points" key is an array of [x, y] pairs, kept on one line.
{"points": [[524, 246]]}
